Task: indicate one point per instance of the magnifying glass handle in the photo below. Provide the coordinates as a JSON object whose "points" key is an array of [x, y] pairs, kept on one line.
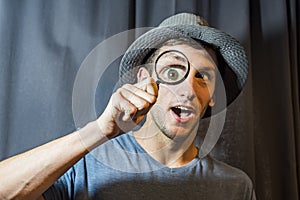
{"points": [[157, 83]]}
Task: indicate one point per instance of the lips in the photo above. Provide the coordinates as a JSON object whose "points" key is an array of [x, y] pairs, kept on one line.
{"points": [[183, 113]]}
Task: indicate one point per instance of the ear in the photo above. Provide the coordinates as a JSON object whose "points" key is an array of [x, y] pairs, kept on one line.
{"points": [[211, 103], [142, 74]]}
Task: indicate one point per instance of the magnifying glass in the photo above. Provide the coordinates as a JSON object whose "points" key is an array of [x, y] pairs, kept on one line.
{"points": [[171, 67]]}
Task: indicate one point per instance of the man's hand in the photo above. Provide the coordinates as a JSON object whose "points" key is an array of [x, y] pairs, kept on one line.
{"points": [[28, 175], [127, 107]]}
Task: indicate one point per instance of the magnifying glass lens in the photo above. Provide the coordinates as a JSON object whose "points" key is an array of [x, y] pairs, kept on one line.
{"points": [[171, 67]]}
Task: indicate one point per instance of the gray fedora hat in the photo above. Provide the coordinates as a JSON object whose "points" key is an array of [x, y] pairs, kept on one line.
{"points": [[195, 27]]}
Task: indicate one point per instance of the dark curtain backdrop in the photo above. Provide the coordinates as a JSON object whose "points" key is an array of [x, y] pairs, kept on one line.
{"points": [[43, 44]]}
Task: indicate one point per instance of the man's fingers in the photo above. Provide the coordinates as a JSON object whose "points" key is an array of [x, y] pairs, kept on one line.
{"points": [[148, 85], [152, 87], [129, 105], [122, 106], [135, 94], [128, 102]]}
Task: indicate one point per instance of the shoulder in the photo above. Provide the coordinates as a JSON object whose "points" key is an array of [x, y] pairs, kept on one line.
{"points": [[123, 154], [221, 169], [228, 178]]}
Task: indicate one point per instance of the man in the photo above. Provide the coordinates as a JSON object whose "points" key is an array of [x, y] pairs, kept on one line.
{"points": [[170, 78]]}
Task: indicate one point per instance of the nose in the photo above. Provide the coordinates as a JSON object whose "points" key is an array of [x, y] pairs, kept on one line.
{"points": [[187, 88], [188, 95]]}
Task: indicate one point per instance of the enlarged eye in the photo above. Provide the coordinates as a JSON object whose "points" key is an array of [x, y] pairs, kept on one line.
{"points": [[172, 67], [172, 73]]}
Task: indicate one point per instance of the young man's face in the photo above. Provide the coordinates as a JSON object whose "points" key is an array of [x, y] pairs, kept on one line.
{"points": [[179, 107]]}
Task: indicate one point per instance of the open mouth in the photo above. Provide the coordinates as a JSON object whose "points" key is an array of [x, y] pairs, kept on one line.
{"points": [[182, 112]]}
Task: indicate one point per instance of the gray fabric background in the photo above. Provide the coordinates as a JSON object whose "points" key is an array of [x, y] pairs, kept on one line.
{"points": [[43, 43]]}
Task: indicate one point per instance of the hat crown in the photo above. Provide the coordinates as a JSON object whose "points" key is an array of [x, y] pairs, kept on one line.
{"points": [[184, 19]]}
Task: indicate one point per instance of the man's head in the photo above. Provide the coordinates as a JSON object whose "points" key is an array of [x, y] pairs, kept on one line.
{"points": [[231, 57], [180, 106]]}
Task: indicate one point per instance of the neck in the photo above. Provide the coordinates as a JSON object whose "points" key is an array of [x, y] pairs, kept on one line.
{"points": [[168, 151]]}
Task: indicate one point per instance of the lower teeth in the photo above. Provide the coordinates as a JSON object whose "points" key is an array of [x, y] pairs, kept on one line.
{"points": [[181, 113], [184, 114]]}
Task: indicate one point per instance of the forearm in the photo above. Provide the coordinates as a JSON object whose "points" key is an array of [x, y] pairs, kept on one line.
{"points": [[28, 175]]}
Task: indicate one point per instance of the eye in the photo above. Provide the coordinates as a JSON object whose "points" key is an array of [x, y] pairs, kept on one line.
{"points": [[173, 73], [203, 75]]}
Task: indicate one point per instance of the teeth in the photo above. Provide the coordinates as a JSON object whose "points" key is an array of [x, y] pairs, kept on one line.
{"points": [[182, 111], [182, 108], [184, 115]]}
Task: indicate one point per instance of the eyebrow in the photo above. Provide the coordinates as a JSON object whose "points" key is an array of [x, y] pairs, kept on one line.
{"points": [[209, 68], [204, 54], [177, 57], [206, 68]]}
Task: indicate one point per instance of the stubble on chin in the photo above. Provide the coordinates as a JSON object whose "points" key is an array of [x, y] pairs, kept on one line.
{"points": [[160, 122]]}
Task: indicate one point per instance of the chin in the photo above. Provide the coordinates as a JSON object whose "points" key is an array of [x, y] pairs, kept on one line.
{"points": [[179, 132], [171, 127]]}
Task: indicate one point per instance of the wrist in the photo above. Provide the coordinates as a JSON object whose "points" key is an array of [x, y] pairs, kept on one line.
{"points": [[91, 135]]}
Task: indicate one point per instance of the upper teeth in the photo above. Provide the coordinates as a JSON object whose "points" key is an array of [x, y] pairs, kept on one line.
{"points": [[182, 108]]}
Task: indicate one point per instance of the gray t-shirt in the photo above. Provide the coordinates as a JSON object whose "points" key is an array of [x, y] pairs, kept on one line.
{"points": [[121, 169]]}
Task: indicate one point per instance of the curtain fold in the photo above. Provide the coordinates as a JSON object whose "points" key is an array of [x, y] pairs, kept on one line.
{"points": [[44, 43]]}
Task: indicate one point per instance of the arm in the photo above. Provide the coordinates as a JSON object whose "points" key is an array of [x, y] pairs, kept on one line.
{"points": [[28, 175]]}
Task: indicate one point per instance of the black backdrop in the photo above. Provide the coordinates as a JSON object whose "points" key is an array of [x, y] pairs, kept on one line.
{"points": [[43, 44]]}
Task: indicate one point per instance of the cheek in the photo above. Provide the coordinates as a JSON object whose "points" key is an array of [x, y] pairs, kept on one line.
{"points": [[204, 94], [165, 94]]}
